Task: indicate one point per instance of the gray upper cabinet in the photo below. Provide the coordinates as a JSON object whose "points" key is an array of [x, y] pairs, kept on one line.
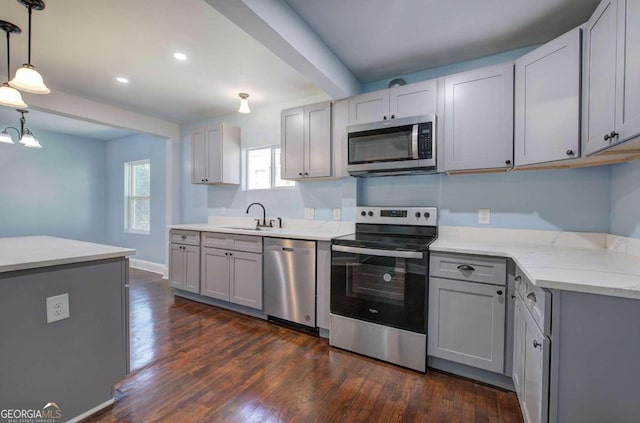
{"points": [[306, 141], [215, 155], [339, 137], [547, 102], [478, 119], [611, 107], [396, 102]]}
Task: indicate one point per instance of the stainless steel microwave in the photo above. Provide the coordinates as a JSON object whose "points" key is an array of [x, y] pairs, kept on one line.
{"points": [[393, 147]]}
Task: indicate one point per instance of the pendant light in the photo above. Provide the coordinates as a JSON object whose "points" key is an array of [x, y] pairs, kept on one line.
{"points": [[27, 78], [26, 137], [10, 96], [244, 103]]}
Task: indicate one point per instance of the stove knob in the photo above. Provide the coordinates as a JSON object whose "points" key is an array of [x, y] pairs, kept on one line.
{"points": [[418, 215], [427, 215], [370, 213], [363, 213]]}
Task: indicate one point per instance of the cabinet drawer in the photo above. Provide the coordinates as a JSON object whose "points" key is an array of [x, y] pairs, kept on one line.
{"points": [[538, 302], [469, 268], [215, 240], [248, 243], [185, 237]]}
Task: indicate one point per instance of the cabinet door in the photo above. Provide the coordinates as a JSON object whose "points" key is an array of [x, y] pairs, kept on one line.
{"points": [[369, 107], [412, 99], [628, 70], [466, 323], [177, 266], [535, 373], [215, 273], [317, 140], [339, 123], [292, 143], [518, 346], [214, 154], [547, 97], [192, 269], [198, 156], [599, 77], [246, 279], [478, 119]]}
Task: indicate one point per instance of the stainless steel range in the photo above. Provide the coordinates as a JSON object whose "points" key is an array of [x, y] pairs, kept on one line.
{"points": [[379, 284]]}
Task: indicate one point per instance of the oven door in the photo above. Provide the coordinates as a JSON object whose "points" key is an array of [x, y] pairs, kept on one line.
{"points": [[388, 287]]}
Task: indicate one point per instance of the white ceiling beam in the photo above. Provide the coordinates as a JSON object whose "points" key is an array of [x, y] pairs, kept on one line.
{"points": [[279, 28]]}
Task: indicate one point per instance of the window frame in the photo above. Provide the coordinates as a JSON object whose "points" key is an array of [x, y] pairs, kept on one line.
{"points": [[272, 176], [129, 199]]}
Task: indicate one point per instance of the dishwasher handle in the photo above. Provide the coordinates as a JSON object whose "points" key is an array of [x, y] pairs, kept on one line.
{"points": [[281, 249]]}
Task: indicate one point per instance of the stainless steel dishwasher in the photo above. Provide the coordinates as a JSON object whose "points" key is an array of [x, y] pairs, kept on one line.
{"points": [[290, 280]]}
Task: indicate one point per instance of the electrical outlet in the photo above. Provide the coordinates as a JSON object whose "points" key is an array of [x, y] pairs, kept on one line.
{"points": [[484, 216], [57, 308], [337, 214], [309, 213]]}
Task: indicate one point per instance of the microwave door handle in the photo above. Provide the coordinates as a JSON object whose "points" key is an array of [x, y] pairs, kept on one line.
{"points": [[414, 142]]}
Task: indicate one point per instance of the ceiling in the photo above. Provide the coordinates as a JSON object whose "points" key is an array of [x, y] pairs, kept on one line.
{"points": [[80, 46], [42, 121], [380, 39]]}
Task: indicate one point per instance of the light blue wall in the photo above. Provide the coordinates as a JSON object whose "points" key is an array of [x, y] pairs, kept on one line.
{"points": [[57, 190], [151, 247], [450, 69], [625, 199], [570, 200]]}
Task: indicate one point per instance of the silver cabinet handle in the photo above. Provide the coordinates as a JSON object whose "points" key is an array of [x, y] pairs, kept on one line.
{"points": [[466, 267], [184, 237], [499, 292], [537, 344], [518, 278], [532, 296]]}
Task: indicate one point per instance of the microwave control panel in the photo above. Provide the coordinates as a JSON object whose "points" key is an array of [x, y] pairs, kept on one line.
{"points": [[425, 140]]}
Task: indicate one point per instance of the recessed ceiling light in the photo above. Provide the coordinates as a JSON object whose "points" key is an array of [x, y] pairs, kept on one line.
{"points": [[122, 80], [180, 56]]}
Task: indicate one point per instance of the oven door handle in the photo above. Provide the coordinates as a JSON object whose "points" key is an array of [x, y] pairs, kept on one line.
{"points": [[375, 252]]}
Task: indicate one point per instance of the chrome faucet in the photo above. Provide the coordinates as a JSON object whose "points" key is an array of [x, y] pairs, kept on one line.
{"points": [[264, 215]]}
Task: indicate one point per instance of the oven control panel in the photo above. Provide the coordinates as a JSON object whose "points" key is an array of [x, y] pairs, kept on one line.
{"points": [[422, 216]]}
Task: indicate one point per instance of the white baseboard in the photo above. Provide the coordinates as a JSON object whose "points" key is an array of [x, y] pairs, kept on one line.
{"points": [[149, 266], [92, 411]]}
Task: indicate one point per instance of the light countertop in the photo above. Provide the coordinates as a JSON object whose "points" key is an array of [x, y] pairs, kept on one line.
{"points": [[32, 252], [314, 230], [566, 261]]}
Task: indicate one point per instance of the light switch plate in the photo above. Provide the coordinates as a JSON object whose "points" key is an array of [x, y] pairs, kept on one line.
{"points": [[309, 212], [484, 216], [57, 308], [337, 214]]}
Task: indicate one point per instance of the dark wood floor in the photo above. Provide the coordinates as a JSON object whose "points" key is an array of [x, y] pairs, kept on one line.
{"points": [[195, 363]]}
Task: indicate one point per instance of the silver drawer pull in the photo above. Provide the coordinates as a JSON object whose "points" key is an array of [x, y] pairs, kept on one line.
{"points": [[532, 296], [537, 344], [184, 237], [518, 278], [466, 267]]}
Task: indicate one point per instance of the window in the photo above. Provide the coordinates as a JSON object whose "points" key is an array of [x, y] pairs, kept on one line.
{"points": [[263, 169], [137, 189]]}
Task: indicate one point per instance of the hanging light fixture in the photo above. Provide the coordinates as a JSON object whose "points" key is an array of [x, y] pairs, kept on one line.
{"points": [[25, 136], [27, 78], [9, 96], [244, 103]]}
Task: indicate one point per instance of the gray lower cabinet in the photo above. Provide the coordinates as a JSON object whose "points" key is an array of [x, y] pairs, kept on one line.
{"points": [[467, 323], [531, 365], [233, 276], [184, 267]]}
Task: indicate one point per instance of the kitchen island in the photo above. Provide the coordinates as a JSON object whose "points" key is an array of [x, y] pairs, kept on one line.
{"points": [[72, 361]]}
